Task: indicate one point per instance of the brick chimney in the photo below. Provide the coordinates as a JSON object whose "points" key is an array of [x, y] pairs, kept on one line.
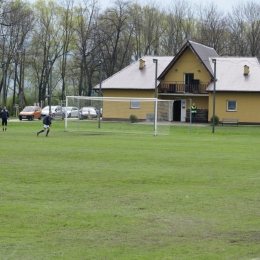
{"points": [[246, 70], [141, 64]]}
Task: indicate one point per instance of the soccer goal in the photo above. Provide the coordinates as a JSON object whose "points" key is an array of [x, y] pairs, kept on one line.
{"points": [[119, 115]]}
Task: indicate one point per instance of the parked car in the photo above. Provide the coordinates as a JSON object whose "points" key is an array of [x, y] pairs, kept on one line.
{"points": [[30, 112], [58, 113], [87, 112], [54, 109], [97, 110], [71, 111]]}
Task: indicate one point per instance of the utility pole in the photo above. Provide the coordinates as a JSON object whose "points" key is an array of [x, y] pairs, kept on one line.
{"points": [[3, 85], [155, 92], [100, 62], [214, 96], [50, 86], [155, 84]]}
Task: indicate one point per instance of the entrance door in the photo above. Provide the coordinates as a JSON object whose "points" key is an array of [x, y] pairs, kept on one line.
{"points": [[177, 110]]}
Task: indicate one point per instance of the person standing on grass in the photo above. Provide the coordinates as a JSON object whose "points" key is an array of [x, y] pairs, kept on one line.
{"points": [[193, 112], [46, 124], [5, 117]]}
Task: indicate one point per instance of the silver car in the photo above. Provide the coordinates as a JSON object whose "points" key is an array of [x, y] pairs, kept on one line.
{"points": [[54, 109], [71, 111]]}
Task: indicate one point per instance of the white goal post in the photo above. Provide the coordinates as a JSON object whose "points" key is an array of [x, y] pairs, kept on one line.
{"points": [[149, 113]]}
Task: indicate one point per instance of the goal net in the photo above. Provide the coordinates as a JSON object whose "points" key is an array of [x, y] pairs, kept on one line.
{"points": [[118, 115]]}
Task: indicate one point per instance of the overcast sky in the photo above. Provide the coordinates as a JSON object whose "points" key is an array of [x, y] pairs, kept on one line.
{"points": [[225, 5]]}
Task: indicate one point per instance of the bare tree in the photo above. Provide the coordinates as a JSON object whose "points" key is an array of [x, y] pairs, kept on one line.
{"points": [[180, 26], [66, 17], [74, 38], [153, 29], [85, 27], [46, 46], [244, 27], [136, 23], [115, 37], [212, 27], [14, 38]]}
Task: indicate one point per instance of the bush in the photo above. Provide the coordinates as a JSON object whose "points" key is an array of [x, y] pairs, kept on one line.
{"points": [[133, 119], [216, 120]]}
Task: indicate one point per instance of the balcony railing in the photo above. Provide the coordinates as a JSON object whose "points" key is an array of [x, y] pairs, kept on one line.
{"points": [[182, 88]]}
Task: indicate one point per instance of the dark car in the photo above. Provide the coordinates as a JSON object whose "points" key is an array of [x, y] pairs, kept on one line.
{"points": [[87, 112]]}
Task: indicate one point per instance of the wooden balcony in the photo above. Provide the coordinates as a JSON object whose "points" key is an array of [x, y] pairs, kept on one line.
{"points": [[183, 88]]}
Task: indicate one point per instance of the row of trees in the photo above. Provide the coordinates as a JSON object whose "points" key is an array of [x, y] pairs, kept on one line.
{"points": [[70, 39]]}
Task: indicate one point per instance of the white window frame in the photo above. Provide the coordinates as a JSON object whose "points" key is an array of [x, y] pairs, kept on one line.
{"points": [[135, 104], [230, 109]]}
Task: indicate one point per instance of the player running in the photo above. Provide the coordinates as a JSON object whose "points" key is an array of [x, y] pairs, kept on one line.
{"points": [[46, 124]]}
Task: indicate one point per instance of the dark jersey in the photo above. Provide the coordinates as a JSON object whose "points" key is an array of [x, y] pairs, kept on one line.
{"points": [[4, 114], [47, 120]]}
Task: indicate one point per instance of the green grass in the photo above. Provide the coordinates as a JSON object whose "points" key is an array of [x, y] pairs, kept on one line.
{"points": [[76, 195]]}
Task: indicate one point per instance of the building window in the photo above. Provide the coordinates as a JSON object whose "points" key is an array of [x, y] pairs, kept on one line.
{"points": [[231, 105], [135, 104], [189, 77]]}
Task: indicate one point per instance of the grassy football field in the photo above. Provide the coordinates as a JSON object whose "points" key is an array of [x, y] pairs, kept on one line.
{"points": [[181, 196]]}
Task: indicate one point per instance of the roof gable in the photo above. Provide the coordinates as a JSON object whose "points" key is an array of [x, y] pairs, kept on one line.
{"points": [[202, 52]]}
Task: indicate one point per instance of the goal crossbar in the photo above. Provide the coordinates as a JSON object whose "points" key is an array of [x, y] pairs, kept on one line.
{"points": [[112, 98]]}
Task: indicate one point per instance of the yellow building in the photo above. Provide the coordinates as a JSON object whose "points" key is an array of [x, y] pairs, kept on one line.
{"points": [[185, 79]]}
